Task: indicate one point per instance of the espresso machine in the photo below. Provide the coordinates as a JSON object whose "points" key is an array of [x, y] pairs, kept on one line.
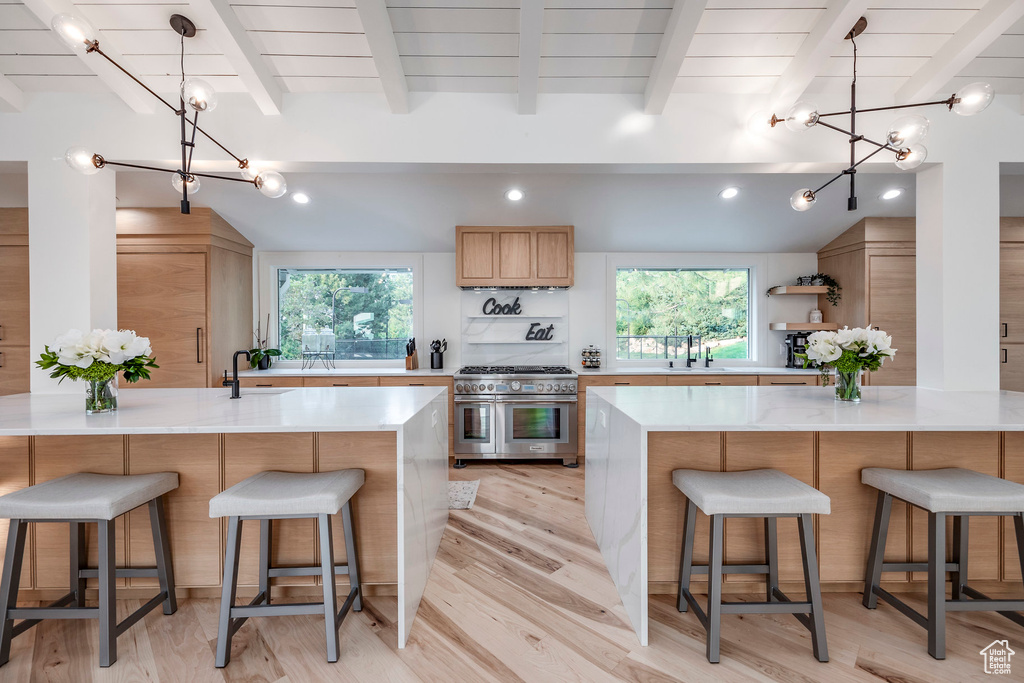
{"points": [[796, 343]]}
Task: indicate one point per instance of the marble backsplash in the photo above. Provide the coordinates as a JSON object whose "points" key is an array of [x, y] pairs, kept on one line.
{"points": [[515, 327]]}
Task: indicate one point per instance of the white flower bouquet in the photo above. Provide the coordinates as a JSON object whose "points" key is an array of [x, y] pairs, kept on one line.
{"points": [[849, 352], [98, 356]]}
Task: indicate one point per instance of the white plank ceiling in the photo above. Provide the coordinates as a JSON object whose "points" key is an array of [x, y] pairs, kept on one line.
{"points": [[587, 46]]}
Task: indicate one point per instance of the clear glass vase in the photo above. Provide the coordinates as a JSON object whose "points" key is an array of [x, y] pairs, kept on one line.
{"points": [[101, 396], [848, 385]]}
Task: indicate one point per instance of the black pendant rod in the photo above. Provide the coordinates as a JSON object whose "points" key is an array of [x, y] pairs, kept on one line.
{"points": [[948, 102], [175, 171]]}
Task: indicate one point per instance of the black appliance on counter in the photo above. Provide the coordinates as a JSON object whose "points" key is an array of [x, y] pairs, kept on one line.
{"points": [[796, 343]]}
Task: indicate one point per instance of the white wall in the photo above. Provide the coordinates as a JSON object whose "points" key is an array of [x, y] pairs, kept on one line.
{"points": [[439, 301]]}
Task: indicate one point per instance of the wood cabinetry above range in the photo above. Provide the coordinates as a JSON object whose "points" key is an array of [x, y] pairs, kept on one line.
{"points": [[536, 256]]}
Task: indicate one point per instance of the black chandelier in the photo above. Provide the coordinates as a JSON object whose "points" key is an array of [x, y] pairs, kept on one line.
{"points": [[195, 93], [904, 136]]}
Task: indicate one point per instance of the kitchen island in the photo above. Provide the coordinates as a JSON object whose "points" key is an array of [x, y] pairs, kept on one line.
{"points": [[397, 435], [636, 437]]}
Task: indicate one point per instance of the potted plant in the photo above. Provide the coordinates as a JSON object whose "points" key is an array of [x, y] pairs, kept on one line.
{"points": [[262, 357], [849, 352], [96, 358], [821, 279]]}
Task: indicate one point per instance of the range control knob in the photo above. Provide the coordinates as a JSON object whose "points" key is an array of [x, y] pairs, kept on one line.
{"points": [[458, 387], [565, 387], [516, 386], [572, 387], [549, 388], [490, 387], [475, 387]]}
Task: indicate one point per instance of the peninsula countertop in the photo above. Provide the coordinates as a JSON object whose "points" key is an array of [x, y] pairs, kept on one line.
{"points": [[211, 411], [813, 409]]}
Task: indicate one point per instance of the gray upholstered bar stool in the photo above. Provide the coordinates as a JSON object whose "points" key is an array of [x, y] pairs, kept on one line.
{"points": [[285, 495], [755, 493], [77, 500], [942, 493]]}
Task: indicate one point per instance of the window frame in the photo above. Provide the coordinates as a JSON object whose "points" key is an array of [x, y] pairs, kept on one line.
{"points": [[268, 263], [755, 264]]}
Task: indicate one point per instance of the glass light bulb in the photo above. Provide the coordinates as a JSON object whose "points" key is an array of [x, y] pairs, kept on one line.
{"points": [[271, 184], [192, 183], [974, 98], [801, 116], [802, 199], [911, 157], [250, 171], [907, 130], [82, 160], [76, 32], [199, 95]]}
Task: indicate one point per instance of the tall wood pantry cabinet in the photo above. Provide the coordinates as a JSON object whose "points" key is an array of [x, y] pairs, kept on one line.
{"points": [[1011, 304], [514, 256], [184, 281], [15, 356], [875, 264]]}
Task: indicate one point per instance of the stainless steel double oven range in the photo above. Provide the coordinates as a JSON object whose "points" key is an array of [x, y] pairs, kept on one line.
{"points": [[515, 412]]}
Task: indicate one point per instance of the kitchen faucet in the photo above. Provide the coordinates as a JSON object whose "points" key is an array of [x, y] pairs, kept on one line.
{"points": [[689, 344], [708, 358], [233, 382]]}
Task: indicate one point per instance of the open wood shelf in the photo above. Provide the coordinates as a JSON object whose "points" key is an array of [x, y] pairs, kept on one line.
{"points": [[805, 327], [799, 289]]}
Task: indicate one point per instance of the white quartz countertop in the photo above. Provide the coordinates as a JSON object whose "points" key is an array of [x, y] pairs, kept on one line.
{"points": [[205, 411], [697, 370], [347, 372], [814, 409]]}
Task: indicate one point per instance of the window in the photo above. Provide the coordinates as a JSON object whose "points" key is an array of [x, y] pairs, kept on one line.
{"points": [[344, 313], [657, 309]]}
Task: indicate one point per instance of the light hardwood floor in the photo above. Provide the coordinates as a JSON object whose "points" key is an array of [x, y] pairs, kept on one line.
{"points": [[518, 593]]}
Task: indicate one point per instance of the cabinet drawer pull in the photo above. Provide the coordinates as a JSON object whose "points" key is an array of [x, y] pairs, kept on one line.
{"points": [[264, 385], [199, 346], [417, 384], [711, 384], [339, 385], [1, 359], [2, 329], [795, 384], [1006, 357], [1006, 330], [625, 384]]}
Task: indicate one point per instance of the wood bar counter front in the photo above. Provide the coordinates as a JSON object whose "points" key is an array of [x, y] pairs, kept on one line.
{"points": [[636, 437], [398, 436]]}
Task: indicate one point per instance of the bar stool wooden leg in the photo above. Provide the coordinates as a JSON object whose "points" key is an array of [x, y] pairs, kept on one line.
{"points": [[771, 557], [108, 601], [715, 589], [812, 586], [330, 588], [9, 584], [883, 508], [162, 550], [227, 595], [266, 547], [1018, 530], [353, 556], [78, 562], [937, 585], [686, 554], [961, 527]]}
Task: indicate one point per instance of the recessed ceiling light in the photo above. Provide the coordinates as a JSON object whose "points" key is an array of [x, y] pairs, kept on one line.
{"points": [[729, 192], [514, 195], [300, 197], [893, 193]]}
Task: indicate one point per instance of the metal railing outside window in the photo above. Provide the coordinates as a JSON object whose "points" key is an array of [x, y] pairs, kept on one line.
{"points": [[643, 347]]}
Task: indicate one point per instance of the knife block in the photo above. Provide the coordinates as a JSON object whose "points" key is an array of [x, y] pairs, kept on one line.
{"points": [[412, 362]]}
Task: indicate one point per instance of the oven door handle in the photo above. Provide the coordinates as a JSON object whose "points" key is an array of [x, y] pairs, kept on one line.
{"points": [[477, 400], [561, 402]]}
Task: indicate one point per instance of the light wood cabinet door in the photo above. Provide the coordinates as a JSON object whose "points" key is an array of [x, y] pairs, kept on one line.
{"points": [[14, 466], [788, 380], [535, 256], [515, 258], [1011, 293], [294, 540], [711, 380], [475, 250], [789, 452], [195, 538], [14, 296], [893, 307], [163, 296], [978, 451], [340, 382], [1011, 367], [15, 366], [261, 382], [554, 256]]}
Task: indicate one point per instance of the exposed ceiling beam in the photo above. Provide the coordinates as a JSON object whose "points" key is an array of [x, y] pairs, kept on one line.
{"points": [[226, 31], [820, 44], [531, 34], [135, 97], [381, 37], [987, 24], [11, 97], [682, 24]]}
